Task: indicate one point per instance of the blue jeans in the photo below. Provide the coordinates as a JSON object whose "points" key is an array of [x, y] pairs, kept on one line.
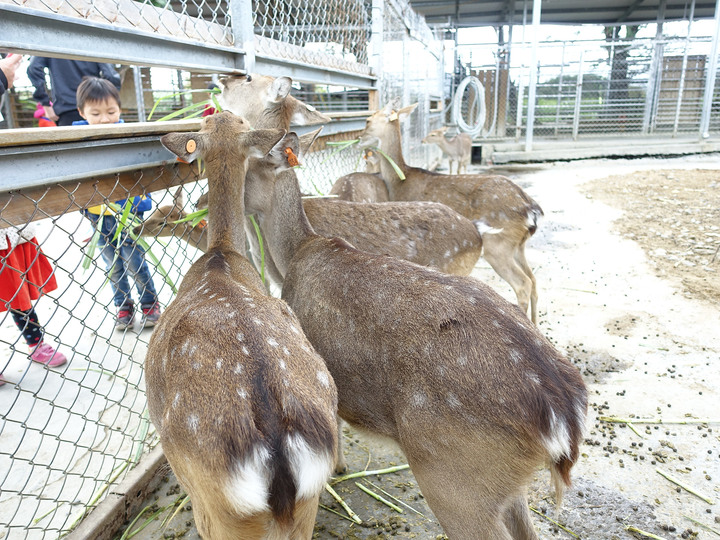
{"points": [[130, 260]]}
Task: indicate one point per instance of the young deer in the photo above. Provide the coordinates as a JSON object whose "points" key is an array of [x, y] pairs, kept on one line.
{"points": [[458, 149], [244, 406], [266, 102], [476, 397], [494, 199], [163, 222], [365, 187]]}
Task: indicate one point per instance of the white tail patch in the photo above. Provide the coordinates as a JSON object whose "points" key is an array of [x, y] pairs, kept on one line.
{"points": [[310, 468], [483, 228], [557, 441], [247, 487]]}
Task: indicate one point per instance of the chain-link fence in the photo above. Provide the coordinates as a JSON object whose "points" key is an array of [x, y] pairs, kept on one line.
{"points": [[71, 432], [598, 87]]}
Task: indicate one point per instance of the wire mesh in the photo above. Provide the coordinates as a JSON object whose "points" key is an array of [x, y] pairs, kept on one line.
{"points": [[204, 20]]}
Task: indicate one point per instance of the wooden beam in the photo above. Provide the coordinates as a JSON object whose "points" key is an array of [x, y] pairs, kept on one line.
{"points": [[23, 206]]}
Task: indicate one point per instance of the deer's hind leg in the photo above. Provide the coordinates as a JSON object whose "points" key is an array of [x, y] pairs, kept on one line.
{"points": [[517, 520], [522, 261]]}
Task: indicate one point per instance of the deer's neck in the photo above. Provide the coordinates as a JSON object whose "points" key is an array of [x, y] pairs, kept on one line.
{"points": [[226, 205], [392, 146], [286, 225]]}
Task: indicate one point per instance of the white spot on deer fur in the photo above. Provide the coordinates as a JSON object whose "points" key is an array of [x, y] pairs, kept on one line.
{"points": [[462, 360], [515, 355], [272, 342], [453, 400], [193, 422], [247, 486], [294, 329], [218, 364], [282, 364], [557, 441], [533, 378], [305, 348], [323, 378], [309, 468], [245, 350], [241, 336], [238, 369], [286, 352], [471, 299], [176, 400], [242, 393], [196, 365], [419, 399], [258, 322], [447, 253]]}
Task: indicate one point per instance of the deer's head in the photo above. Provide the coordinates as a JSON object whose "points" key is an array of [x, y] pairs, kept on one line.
{"points": [[379, 124]]}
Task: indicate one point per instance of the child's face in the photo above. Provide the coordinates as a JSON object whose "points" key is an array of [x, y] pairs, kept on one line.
{"points": [[101, 112]]}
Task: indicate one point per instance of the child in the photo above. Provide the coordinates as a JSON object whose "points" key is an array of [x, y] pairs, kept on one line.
{"points": [[25, 275], [99, 103]]}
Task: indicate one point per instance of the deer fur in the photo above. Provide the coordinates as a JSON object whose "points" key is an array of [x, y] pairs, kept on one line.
{"points": [[266, 102], [458, 149], [244, 406], [475, 396], [494, 199], [366, 187]]}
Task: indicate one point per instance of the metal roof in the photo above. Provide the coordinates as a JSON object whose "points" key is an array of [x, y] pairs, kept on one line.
{"points": [[464, 13]]}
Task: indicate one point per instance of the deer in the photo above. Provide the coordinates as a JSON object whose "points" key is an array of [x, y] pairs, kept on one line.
{"points": [[472, 392], [458, 148], [366, 187], [244, 406], [494, 199]]}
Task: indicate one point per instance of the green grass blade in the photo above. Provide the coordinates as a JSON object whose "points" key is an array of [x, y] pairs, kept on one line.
{"points": [[391, 161], [262, 249], [92, 245], [184, 110], [142, 243], [341, 145], [198, 215]]}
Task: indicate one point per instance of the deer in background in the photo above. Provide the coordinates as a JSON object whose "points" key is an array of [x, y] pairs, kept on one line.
{"points": [[365, 187], [458, 149], [475, 396], [245, 408], [494, 199]]}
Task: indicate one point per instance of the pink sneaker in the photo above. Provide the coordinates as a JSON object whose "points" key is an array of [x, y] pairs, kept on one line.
{"points": [[43, 353]]}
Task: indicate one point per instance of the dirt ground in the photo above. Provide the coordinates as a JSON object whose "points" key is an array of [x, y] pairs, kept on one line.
{"points": [[627, 265]]}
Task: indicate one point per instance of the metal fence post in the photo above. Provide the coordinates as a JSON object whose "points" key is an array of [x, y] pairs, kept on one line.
{"points": [[655, 74], [139, 97], [533, 77], [710, 78], [377, 28], [681, 86], [578, 97], [241, 17]]}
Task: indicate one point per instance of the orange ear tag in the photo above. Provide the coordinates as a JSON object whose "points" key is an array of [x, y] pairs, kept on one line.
{"points": [[291, 157], [202, 224], [190, 146]]}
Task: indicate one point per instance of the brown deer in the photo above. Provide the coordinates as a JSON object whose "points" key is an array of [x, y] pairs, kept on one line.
{"points": [[366, 187], [266, 102], [476, 397], [494, 199], [458, 148], [164, 222], [244, 406]]}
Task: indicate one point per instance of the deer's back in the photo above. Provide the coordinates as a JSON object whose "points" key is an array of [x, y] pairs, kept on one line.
{"points": [[452, 346], [231, 380], [495, 199], [360, 187], [426, 233]]}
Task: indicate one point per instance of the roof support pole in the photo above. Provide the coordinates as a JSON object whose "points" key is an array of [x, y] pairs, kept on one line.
{"points": [[711, 73], [533, 75]]}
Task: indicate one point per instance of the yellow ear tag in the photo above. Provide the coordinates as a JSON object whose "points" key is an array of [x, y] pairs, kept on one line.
{"points": [[393, 117], [190, 146]]}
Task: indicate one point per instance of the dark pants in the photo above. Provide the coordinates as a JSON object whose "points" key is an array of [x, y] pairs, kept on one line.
{"points": [[28, 323], [68, 117]]}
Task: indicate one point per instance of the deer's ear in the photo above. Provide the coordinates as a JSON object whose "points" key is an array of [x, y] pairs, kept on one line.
{"points": [[186, 146], [284, 154], [259, 142], [280, 89], [406, 111], [307, 140]]}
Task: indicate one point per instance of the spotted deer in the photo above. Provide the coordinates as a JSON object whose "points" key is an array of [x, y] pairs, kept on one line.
{"points": [[244, 406], [458, 148], [494, 199], [475, 396], [366, 187]]}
